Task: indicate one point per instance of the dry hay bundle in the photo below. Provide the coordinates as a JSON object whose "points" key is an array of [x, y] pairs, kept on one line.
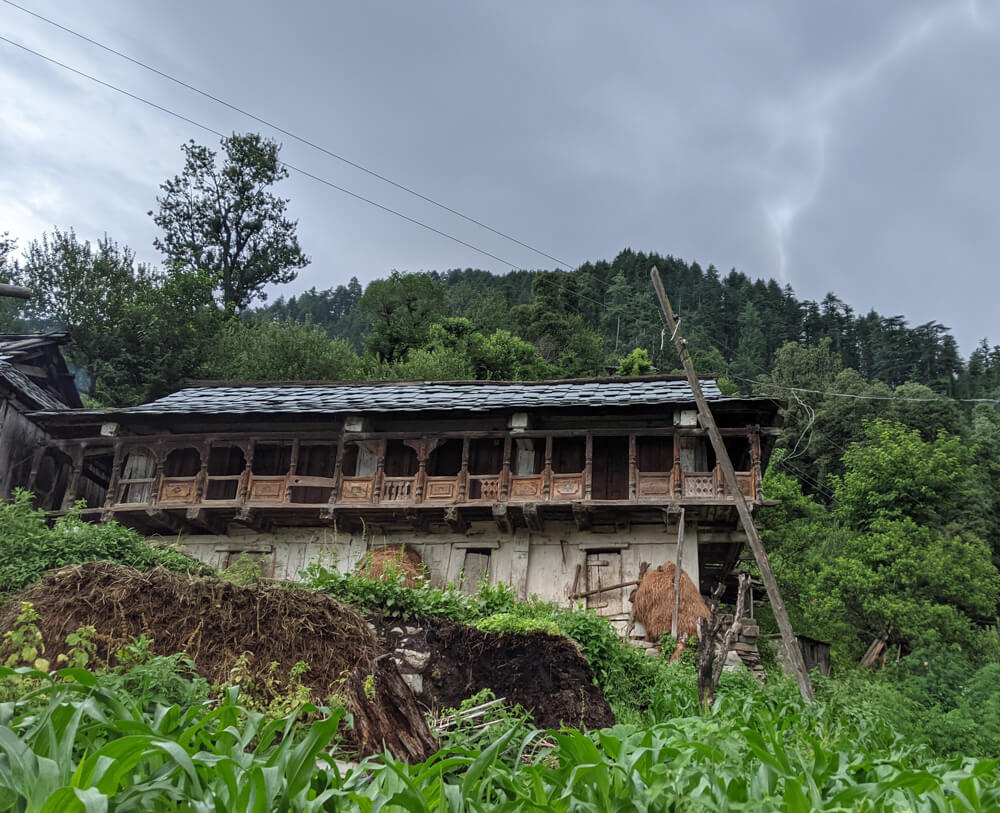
{"points": [[654, 603], [213, 621], [379, 561]]}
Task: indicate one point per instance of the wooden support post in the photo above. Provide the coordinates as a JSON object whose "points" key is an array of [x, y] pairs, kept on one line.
{"points": [[677, 576], [707, 421]]}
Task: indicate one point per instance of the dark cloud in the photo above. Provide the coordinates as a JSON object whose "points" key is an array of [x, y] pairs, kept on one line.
{"points": [[845, 147]]}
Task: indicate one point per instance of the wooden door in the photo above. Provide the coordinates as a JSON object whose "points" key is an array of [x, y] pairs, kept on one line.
{"points": [[603, 570]]}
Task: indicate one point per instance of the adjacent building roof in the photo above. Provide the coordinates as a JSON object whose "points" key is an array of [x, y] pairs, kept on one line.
{"points": [[464, 396], [34, 364]]}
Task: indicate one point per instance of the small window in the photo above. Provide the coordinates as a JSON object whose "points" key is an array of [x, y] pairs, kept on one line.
{"points": [[182, 463], [272, 459], [529, 455], [139, 465], [485, 456], [228, 462], [446, 459], [568, 455], [655, 454], [400, 460]]}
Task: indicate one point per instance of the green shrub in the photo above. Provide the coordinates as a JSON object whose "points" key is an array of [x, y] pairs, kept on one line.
{"points": [[29, 547], [150, 679], [508, 622]]}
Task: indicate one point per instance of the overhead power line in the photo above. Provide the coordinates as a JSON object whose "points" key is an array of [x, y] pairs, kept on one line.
{"points": [[289, 133]]}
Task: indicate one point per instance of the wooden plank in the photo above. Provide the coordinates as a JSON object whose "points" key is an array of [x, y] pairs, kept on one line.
{"points": [[707, 421]]}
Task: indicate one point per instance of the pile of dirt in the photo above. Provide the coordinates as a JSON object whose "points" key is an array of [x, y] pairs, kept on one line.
{"points": [[546, 674], [654, 603], [216, 622], [378, 561]]}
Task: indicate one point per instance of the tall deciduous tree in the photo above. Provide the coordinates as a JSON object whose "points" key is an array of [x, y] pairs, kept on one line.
{"points": [[224, 220], [137, 332]]}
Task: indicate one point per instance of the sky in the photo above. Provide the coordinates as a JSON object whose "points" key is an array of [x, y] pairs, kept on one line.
{"points": [[851, 147]]}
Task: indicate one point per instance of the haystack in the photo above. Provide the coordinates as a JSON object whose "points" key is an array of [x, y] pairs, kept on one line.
{"points": [[216, 622], [654, 603], [379, 561]]}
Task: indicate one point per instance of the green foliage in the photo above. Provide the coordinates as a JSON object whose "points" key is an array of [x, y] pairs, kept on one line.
{"points": [[508, 622], [138, 333], [82, 648], [280, 351], [225, 221], [389, 596], [149, 679], [244, 572], [29, 547], [400, 311], [479, 730], [23, 645], [635, 363]]}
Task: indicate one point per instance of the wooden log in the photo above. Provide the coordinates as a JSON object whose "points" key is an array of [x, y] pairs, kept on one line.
{"points": [[707, 421], [386, 715], [677, 576], [734, 628], [604, 589]]}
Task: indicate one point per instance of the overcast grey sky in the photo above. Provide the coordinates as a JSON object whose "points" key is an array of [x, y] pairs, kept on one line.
{"points": [[847, 146]]}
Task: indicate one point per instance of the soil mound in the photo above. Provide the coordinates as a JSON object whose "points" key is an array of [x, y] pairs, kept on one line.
{"points": [[547, 674], [215, 622], [377, 562], [654, 603]]}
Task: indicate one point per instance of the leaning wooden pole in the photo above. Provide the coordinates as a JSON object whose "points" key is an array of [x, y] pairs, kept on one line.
{"points": [[707, 421]]}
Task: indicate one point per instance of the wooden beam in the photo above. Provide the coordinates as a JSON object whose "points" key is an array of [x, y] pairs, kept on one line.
{"points": [[455, 520], [531, 516], [707, 421], [581, 514], [502, 517], [677, 575]]}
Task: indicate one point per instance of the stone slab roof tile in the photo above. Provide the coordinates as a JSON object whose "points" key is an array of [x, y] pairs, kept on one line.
{"points": [[426, 396]]}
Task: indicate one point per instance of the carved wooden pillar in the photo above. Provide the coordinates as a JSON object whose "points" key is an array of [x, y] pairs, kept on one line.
{"points": [[588, 467], [718, 480], [292, 466], [243, 492], [755, 465], [677, 474], [505, 469], [379, 471], [338, 470], [74, 479], [463, 474], [201, 482], [631, 466], [111, 497], [159, 461], [547, 475], [423, 448]]}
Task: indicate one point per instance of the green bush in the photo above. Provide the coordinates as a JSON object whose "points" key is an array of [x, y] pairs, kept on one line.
{"points": [[509, 622], [29, 547]]}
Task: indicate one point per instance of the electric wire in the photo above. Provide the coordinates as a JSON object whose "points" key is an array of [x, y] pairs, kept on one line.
{"points": [[289, 133]]}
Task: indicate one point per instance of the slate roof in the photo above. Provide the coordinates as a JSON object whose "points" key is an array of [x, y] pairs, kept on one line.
{"points": [[465, 396], [28, 388]]}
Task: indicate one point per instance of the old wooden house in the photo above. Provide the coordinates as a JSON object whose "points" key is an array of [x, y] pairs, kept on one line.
{"points": [[556, 487], [33, 376]]}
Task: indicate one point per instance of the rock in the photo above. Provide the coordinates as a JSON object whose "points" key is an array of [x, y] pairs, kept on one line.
{"points": [[415, 682], [396, 631], [415, 660], [733, 662]]}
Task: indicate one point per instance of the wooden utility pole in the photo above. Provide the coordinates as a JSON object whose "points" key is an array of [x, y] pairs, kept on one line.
{"points": [[677, 577], [15, 291], [707, 421]]}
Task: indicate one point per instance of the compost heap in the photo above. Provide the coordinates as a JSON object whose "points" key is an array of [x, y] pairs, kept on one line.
{"points": [[546, 674], [654, 603], [216, 622], [378, 562]]}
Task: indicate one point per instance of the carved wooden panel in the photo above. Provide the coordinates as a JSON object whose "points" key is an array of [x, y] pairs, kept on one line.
{"points": [[699, 485], [356, 489], [745, 482], [526, 488], [567, 486], [397, 489], [441, 489], [267, 490], [655, 485], [178, 491]]}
